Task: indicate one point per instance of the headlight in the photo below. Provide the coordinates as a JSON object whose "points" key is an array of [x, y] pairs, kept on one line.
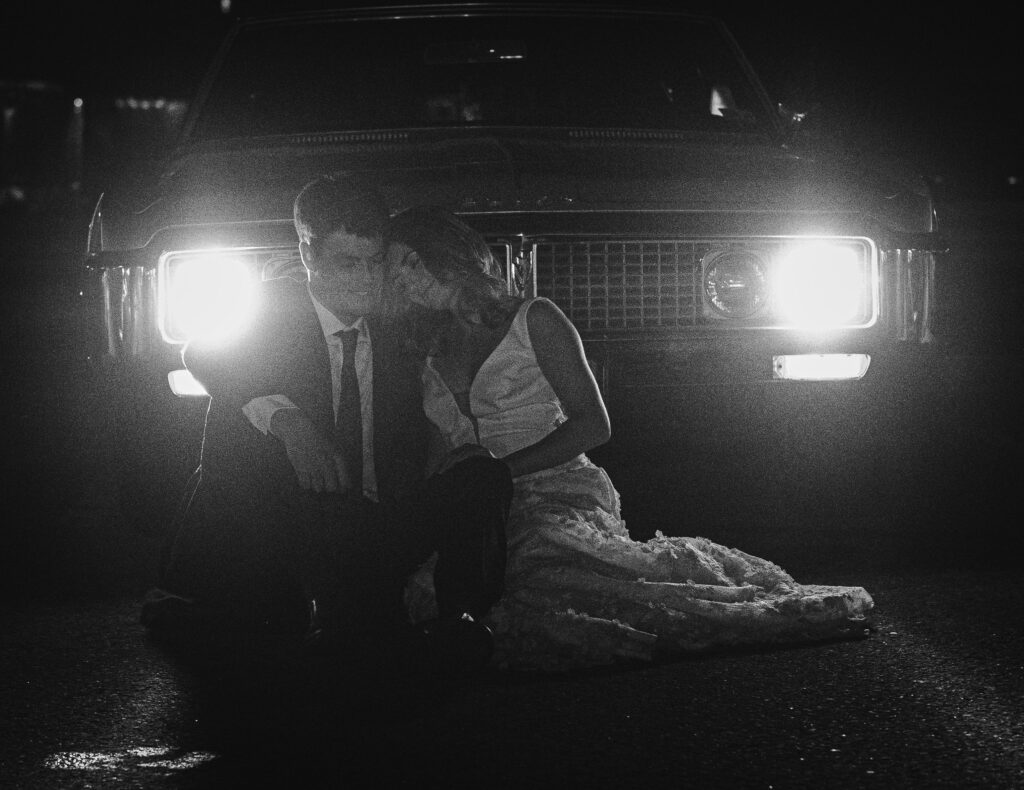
{"points": [[735, 284], [791, 283], [821, 285], [209, 295]]}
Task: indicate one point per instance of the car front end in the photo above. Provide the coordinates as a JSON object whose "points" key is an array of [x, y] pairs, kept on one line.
{"points": [[654, 193]]}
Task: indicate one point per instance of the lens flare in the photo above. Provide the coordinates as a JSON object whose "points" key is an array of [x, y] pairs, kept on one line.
{"points": [[820, 285], [210, 297]]}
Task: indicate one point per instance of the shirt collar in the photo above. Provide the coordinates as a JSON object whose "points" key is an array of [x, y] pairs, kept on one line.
{"points": [[330, 324]]}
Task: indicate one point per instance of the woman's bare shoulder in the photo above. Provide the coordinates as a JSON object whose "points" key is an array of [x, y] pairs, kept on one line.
{"points": [[544, 317]]}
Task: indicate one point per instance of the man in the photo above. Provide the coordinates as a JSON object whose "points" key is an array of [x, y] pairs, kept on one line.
{"points": [[311, 507]]}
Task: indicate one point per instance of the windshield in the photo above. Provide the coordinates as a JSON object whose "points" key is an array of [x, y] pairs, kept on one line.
{"points": [[663, 73]]}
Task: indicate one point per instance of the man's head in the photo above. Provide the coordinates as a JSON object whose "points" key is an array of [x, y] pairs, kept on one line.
{"points": [[340, 223]]}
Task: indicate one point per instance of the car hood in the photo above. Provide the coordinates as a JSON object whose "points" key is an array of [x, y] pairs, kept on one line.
{"points": [[585, 171]]}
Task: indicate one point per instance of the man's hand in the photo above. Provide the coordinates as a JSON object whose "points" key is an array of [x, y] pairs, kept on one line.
{"points": [[460, 454], [317, 463]]}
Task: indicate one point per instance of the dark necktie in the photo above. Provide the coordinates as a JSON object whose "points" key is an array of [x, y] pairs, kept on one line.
{"points": [[349, 422]]}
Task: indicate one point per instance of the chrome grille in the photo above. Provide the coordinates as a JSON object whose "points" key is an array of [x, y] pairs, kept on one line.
{"points": [[621, 285], [282, 262]]}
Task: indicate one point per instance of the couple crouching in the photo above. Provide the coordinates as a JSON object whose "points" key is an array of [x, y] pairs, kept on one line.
{"points": [[398, 447]]}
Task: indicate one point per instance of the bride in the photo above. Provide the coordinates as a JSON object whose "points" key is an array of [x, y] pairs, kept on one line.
{"points": [[508, 377]]}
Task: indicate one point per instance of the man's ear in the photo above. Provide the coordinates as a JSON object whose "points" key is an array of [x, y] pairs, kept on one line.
{"points": [[306, 254]]}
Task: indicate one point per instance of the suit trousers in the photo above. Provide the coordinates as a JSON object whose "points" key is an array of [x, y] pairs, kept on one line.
{"points": [[356, 555], [255, 545]]}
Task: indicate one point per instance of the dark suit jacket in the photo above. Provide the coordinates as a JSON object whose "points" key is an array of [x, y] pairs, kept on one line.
{"points": [[235, 527], [286, 353]]}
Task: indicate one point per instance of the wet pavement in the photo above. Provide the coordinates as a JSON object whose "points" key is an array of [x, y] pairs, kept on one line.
{"points": [[932, 699]]}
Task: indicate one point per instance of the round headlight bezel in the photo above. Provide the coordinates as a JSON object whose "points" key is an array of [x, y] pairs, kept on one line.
{"points": [[735, 284]]}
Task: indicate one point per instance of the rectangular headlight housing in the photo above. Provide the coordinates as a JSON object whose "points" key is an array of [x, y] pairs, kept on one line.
{"points": [[797, 283], [211, 293]]}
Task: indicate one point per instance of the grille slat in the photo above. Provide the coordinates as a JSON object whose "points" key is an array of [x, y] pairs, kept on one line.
{"points": [[619, 285]]}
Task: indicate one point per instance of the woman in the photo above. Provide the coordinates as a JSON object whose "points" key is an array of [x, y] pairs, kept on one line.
{"points": [[508, 377]]}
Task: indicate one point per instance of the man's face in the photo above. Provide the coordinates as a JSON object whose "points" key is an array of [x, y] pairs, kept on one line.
{"points": [[345, 273]]}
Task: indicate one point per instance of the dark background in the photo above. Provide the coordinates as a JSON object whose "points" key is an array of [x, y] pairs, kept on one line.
{"points": [[942, 87]]}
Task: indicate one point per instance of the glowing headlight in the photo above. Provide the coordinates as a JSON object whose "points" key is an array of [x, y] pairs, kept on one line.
{"points": [[820, 285], [735, 284], [795, 283], [208, 295]]}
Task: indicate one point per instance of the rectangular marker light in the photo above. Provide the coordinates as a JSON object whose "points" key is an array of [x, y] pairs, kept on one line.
{"points": [[820, 367], [184, 385]]}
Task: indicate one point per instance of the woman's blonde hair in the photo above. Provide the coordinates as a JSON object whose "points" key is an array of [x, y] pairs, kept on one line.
{"points": [[452, 250]]}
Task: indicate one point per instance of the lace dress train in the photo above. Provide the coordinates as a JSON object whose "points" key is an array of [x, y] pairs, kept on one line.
{"points": [[580, 592]]}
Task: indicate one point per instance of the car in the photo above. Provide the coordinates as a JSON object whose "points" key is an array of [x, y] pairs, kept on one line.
{"points": [[626, 163]]}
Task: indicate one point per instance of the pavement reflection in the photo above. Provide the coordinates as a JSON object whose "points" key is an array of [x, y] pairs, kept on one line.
{"points": [[933, 699]]}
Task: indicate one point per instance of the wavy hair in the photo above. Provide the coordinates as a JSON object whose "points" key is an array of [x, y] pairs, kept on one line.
{"points": [[451, 250]]}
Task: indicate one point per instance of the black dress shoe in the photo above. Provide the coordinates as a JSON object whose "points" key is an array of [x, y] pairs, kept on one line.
{"points": [[457, 645]]}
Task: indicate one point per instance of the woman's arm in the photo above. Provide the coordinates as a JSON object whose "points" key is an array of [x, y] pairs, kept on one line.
{"points": [[560, 355]]}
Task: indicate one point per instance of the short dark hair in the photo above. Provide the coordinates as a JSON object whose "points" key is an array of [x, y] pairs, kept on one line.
{"points": [[339, 201]]}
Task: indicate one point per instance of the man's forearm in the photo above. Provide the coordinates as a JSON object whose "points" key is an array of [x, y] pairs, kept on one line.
{"points": [[317, 463]]}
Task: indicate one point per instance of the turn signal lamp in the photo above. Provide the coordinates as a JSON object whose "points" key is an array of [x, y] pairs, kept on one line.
{"points": [[820, 367], [184, 385]]}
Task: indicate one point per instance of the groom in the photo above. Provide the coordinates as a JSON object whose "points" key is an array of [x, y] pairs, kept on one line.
{"points": [[311, 508]]}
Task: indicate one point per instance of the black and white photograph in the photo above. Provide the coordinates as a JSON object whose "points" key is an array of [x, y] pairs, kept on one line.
{"points": [[511, 395]]}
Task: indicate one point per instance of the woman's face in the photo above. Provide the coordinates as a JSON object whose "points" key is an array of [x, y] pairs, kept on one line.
{"points": [[412, 279]]}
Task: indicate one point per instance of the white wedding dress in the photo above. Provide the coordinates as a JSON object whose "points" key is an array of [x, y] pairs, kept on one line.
{"points": [[579, 591]]}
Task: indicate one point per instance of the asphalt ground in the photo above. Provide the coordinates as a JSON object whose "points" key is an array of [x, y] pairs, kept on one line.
{"points": [[911, 490], [931, 699]]}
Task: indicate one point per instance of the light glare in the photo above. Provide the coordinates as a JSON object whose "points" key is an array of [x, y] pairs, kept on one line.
{"points": [[210, 297], [819, 285]]}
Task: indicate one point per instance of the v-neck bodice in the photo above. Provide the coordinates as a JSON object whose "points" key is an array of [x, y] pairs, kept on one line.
{"points": [[511, 401]]}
